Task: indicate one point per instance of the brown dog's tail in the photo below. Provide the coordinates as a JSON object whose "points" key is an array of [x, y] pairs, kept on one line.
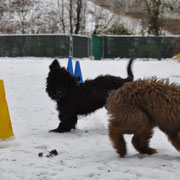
{"points": [[129, 70]]}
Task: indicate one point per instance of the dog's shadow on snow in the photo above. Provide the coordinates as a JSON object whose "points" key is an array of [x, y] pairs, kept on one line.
{"points": [[156, 156], [81, 132], [90, 131]]}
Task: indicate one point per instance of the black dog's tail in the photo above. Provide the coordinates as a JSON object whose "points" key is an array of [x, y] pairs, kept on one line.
{"points": [[129, 70]]}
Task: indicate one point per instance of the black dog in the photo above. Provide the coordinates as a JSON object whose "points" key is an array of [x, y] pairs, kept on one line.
{"points": [[75, 98]]}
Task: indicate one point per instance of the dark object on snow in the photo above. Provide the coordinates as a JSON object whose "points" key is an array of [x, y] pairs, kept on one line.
{"points": [[50, 153], [40, 154], [75, 98]]}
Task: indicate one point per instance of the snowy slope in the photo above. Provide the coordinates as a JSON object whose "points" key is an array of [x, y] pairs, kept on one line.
{"points": [[83, 154], [42, 16]]}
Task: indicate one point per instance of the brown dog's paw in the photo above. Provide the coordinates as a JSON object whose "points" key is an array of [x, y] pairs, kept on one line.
{"points": [[151, 151], [121, 153], [178, 135]]}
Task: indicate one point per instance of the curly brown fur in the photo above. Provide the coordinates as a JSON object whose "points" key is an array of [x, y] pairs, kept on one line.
{"points": [[139, 106], [75, 98]]}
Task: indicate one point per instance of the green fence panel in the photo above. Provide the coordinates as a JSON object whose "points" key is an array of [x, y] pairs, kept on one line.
{"points": [[117, 46], [80, 46], [97, 47], [141, 47], [34, 45], [46, 46], [9, 46]]}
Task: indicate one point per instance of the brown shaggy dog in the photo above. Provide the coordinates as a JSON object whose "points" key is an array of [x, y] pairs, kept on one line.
{"points": [[139, 106]]}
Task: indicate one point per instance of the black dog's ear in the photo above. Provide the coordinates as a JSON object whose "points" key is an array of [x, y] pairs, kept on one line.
{"points": [[54, 65]]}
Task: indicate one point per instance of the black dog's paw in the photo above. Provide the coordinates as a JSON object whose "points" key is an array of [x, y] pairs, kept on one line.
{"points": [[60, 130]]}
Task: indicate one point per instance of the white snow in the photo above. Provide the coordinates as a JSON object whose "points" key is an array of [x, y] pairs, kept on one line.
{"points": [[83, 154]]}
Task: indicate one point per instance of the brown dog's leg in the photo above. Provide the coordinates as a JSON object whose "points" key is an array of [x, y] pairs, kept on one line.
{"points": [[175, 141], [141, 139], [118, 143], [117, 139]]}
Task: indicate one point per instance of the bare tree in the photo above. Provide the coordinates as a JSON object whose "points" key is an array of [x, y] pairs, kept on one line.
{"points": [[156, 10], [71, 16], [78, 16], [3, 8], [83, 17], [61, 13], [102, 19], [21, 7]]}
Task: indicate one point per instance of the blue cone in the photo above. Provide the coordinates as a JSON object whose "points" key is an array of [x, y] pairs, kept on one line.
{"points": [[78, 72], [70, 66]]}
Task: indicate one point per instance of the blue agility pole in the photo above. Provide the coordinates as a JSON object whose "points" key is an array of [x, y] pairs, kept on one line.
{"points": [[78, 72], [70, 65]]}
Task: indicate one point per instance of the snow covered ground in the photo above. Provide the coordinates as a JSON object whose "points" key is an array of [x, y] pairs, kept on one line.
{"points": [[83, 154]]}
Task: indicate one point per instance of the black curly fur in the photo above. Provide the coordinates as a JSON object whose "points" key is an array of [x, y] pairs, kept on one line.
{"points": [[75, 98]]}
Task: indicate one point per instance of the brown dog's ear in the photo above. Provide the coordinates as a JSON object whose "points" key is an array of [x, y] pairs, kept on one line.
{"points": [[54, 65]]}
